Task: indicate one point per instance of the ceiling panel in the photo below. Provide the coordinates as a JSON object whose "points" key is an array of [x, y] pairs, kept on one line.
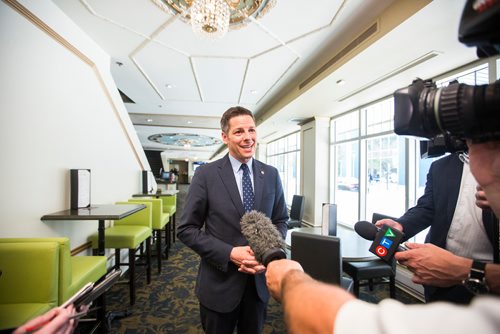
{"points": [[150, 48], [219, 79]]}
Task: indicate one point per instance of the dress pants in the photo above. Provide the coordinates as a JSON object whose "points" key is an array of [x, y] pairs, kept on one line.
{"points": [[248, 317]]}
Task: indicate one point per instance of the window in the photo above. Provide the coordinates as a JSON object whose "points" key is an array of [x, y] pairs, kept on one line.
{"points": [[284, 154], [369, 164]]}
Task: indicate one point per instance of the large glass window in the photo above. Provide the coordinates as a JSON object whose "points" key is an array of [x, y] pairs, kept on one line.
{"points": [[369, 162], [385, 191], [369, 159], [284, 154]]}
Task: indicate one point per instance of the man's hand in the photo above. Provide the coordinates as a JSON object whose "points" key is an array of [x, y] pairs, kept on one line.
{"points": [[481, 200], [244, 258], [276, 272], [391, 223], [432, 265]]}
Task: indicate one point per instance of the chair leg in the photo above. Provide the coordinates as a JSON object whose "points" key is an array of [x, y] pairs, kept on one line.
{"points": [[167, 240], [370, 284], [131, 261], [158, 249], [392, 286], [173, 229], [355, 289], [148, 259], [117, 258]]}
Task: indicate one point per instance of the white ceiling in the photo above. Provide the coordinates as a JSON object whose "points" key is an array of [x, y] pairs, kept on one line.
{"points": [[182, 84]]}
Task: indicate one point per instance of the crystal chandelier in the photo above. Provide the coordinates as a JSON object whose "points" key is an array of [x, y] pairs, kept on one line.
{"points": [[211, 19]]}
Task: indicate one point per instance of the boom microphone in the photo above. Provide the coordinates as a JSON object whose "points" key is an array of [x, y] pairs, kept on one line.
{"points": [[263, 237], [386, 242]]}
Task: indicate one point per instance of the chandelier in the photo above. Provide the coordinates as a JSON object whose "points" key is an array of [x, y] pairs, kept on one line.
{"points": [[211, 19]]}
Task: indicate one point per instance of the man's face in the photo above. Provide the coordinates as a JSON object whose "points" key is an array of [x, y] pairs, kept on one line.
{"points": [[241, 138]]}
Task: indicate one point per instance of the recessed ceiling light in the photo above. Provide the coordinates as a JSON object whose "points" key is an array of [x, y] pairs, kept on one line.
{"points": [[149, 120], [169, 86], [340, 82], [253, 91], [189, 122]]}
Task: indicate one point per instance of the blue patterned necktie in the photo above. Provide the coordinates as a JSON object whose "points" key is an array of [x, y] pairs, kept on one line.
{"points": [[248, 196]]}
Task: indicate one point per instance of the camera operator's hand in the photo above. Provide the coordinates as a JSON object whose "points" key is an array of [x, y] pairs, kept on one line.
{"points": [[389, 222], [433, 265], [481, 200], [484, 159]]}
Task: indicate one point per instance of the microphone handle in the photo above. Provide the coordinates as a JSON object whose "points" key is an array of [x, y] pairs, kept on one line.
{"points": [[273, 254]]}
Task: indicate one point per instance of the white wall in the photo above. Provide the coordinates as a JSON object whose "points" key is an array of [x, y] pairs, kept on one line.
{"points": [[59, 109]]}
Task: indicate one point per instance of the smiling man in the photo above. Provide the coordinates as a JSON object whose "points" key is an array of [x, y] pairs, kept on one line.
{"points": [[231, 286]]}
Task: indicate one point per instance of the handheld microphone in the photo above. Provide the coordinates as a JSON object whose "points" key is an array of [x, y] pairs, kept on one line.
{"points": [[386, 241], [263, 237]]}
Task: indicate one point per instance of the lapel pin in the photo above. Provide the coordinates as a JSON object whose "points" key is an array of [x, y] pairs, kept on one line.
{"points": [[262, 172]]}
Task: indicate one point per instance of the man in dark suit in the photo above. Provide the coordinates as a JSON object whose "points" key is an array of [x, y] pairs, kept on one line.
{"points": [[231, 286], [448, 199]]}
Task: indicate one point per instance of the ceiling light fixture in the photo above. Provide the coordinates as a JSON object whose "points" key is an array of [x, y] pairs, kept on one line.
{"points": [[211, 19], [340, 82]]}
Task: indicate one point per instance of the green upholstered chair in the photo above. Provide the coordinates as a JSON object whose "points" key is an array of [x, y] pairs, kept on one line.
{"points": [[74, 271], [170, 207], [132, 233], [159, 223], [29, 281]]}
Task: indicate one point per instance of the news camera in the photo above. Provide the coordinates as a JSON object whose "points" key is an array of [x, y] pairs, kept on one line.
{"points": [[441, 144], [461, 110]]}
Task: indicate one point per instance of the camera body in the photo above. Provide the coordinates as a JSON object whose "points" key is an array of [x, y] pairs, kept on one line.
{"points": [[440, 145], [460, 110]]}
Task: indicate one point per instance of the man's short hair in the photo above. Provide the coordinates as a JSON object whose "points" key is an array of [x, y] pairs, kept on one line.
{"points": [[233, 112]]}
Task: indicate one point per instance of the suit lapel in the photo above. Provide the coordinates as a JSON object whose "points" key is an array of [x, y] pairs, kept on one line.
{"points": [[227, 176], [258, 181]]}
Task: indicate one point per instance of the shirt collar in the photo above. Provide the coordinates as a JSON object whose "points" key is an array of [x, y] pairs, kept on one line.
{"points": [[235, 164]]}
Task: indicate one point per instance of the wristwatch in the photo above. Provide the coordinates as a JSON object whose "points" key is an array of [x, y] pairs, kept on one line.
{"points": [[476, 282]]}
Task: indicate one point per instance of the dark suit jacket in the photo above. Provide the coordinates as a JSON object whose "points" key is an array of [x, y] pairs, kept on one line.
{"points": [[435, 209], [210, 225]]}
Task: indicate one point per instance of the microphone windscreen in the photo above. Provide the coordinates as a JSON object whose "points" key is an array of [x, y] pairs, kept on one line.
{"points": [[366, 230], [263, 237]]}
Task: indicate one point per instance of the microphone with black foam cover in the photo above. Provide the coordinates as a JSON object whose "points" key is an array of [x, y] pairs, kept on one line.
{"points": [[366, 230], [386, 240], [263, 237]]}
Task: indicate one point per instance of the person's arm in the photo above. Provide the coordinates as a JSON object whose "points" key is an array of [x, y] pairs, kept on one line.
{"points": [[433, 265], [56, 321], [309, 306]]}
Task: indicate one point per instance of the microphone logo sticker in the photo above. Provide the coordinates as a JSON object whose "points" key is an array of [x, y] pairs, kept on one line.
{"points": [[381, 251], [386, 242], [389, 233]]}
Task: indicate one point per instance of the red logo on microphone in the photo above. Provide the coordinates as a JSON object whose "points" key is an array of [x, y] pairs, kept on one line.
{"points": [[381, 251]]}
